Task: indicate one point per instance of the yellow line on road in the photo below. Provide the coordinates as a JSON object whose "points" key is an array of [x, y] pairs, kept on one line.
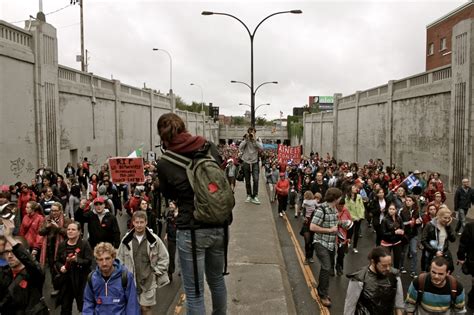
{"points": [[307, 272], [178, 309]]}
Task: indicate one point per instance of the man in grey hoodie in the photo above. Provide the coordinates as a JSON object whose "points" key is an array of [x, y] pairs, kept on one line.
{"points": [[249, 148]]}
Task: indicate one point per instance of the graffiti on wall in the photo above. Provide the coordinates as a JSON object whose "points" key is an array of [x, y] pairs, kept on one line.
{"points": [[16, 166]]}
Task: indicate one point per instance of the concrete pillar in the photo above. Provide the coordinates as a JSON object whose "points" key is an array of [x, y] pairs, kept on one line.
{"points": [[321, 133], [356, 133], [461, 123], [389, 124], [152, 122], [117, 106], [45, 48], [335, 110]]}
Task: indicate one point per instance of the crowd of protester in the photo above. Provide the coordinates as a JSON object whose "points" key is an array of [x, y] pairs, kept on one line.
{"points": [[67, 223], [64, 223], [406, 211]]}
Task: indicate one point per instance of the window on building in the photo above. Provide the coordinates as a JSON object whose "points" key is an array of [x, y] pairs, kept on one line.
{"points": [[430, 49], [442, 43]]}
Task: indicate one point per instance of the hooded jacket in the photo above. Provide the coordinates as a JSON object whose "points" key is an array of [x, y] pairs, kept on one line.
{"points": [[109, 297], [159, 258], [430, 237]]}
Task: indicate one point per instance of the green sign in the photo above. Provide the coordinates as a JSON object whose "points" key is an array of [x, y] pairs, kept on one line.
{"points": [[326, 100]]}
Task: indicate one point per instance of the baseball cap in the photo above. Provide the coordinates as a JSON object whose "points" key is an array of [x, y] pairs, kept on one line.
{"points": [[416, 172], [99, 200], [282, 174]]}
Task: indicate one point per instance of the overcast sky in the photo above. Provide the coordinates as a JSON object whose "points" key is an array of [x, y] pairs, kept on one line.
{"points": [[333, 47]]}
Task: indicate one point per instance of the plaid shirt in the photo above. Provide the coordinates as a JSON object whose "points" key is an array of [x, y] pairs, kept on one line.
{"points": [[326, 217]]}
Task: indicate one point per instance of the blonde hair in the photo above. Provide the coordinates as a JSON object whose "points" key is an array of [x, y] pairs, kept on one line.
{"points": [[318, 196], [443, 210], [104, 247]]}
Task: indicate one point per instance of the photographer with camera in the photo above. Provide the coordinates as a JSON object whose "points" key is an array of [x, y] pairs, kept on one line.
{"points": [[249, 148]]}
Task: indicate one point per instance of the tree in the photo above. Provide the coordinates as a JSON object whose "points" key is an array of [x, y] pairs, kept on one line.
{"points": [[238, 120]]}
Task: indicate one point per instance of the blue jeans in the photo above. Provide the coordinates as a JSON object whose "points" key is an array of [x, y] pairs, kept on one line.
{"points": [[410, 248], [461, 219], [210, 260], [251, 169], [326, 259]]}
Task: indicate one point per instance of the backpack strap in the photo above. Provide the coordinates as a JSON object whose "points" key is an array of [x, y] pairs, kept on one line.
{"points": [[453, 288], [226, 247], [195, 267], [177, 159], [124, 280], [422, 278]]}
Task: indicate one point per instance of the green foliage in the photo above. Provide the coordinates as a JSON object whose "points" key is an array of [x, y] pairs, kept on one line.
{"points": [[295, 127], [238, 121], [194, 107]]}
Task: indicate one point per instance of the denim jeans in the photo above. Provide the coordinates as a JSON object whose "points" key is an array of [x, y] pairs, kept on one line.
{"points": [[326, 259], [210, 261], [461, 219], [251, 169], [410, 248]]}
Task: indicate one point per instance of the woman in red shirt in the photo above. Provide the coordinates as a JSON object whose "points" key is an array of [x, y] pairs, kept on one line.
{"points": [[282, 188], [30, 226]]}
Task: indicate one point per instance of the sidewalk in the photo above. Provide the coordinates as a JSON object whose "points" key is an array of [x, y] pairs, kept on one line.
{"points": [[257, 283]]}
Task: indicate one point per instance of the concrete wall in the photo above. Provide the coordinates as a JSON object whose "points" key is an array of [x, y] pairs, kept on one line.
{"points": [[51, 114], [421, 122]]}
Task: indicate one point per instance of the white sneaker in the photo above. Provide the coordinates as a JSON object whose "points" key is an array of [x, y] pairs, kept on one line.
{"points": [[280, 214], [248, 199], [355, 251], [255, 200]]}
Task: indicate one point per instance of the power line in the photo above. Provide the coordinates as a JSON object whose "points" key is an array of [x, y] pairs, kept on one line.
{"points": [[52, 12]]}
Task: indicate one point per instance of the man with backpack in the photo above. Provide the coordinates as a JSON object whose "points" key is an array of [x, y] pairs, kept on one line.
{"points": [[189, 173], [435, 292], [110, 289], [376, 289]]}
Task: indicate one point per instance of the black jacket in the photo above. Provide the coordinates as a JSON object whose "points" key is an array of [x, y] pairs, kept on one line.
{"points": [[466, 249], [431, 233], [463, 199], [407, 216], [20, 295], [174, 185], [388, 227], [105, 231], [75, 277], [374, 207]]}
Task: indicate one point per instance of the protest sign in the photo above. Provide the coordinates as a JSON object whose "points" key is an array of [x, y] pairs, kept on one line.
{"points": [[126, 170]]}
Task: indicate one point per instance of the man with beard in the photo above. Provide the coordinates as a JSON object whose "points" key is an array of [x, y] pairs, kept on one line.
{"points": [[436, 292], [376, 289]]}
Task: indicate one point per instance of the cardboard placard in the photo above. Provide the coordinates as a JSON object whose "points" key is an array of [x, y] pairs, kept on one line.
{"points": [[125, 170]]}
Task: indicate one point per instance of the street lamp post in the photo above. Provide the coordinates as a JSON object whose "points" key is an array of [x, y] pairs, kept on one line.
{"points": [[202, 98], [251, 35], [173, 105], [256, 108]]}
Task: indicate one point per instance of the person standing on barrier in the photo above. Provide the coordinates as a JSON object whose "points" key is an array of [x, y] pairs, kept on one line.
{"points": [[208, 255], [249, 148]]}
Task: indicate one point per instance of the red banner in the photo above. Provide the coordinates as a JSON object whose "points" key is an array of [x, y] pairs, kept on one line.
{"points": [[126, 170], [286, 153]]}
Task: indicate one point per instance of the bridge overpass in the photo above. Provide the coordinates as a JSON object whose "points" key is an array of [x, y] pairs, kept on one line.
{"points": [[266, 133]]}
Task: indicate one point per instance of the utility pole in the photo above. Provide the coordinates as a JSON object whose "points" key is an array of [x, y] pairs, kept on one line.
{"points": [[83, 60]]}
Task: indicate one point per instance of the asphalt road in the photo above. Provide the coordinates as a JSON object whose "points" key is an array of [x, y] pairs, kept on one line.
{"points": [[303, 290]]}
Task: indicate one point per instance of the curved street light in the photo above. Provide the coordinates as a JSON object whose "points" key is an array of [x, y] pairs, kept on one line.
{"points": [[173, 105], [251, 35], [202, 98], [256, 108]]}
